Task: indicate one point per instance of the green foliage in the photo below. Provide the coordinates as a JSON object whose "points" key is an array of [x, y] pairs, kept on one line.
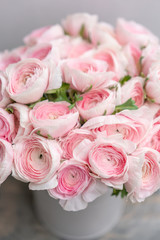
{"points": [[64, 93], [123, 193], [124, 79], [129, 104], [82, 31], [76, 98], [9, 110]]}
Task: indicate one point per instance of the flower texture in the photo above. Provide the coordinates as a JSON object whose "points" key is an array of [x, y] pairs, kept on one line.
{"points": [[96, 102], [7, 125], [75, 186], [6, 159], [107, 158], [144, 174], [36, 160], [81, 74], [53, 119]]}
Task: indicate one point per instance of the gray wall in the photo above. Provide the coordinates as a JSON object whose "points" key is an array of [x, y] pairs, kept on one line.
{"points": [[19, 17]]}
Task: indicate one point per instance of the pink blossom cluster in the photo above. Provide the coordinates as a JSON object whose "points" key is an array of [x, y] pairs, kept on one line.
{"points": [[80, 111]]}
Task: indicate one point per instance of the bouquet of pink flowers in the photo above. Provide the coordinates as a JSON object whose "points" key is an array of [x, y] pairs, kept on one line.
{"points": [[79, 111]]}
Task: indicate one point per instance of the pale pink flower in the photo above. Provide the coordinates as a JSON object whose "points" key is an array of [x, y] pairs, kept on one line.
{"points": [[73, 23], [22, 123], [150, 55], [81, 74], [73, 138], [8, 58], [53, 118], [36, 160], [133, 54], [6, 159], [29, 79], [107, 158], [152, 86], [132, 32], [7, 125], [4, 97], [103, 33], [44, 35], [96, 102], [42, 51], [132, 124], [114, 58], [133, 89], [144, 174], [75, 186]]}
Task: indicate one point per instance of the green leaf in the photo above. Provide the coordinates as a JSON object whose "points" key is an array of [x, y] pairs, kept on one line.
{"points": [[142, 47], [129, 104], [60, 94], [104, 112], [124, 79], [71, 106], [62, 97], [64, 87], [113, 87], [116, 192], [140, 60], [145, 81], [66, 33], [9, 110], [82, 31], [78, 97], [75, 98], [39, 133], [49, 137], [142, 75]]}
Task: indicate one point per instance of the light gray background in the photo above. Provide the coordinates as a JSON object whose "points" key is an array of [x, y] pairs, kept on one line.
{"points": [[19, 17]]}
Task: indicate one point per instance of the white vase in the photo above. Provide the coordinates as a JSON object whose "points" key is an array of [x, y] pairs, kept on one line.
{"points": [[91, 223]]}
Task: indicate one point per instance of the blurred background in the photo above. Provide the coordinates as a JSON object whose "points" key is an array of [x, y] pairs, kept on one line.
{"points": [[19, 17]]}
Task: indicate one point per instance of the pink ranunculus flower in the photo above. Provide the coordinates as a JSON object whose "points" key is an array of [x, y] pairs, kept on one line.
{"points": [[150, 54], [7, 125], [154, 109], [73, 138], [53, 118], [23, 125], [103, 33], [152, 86], [96, 102], [6, 159], [75, 186], [133, 89], [133, 125], [42, 51], [152, 138], [77, 47], [132, 32], [144, 174], [8, 58], [4, 97], [73, 23], [44, 35], [36, 160], [133, 54], [107, 158], [20, 51], [114, 58], [81, 74], [28, 80]]}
